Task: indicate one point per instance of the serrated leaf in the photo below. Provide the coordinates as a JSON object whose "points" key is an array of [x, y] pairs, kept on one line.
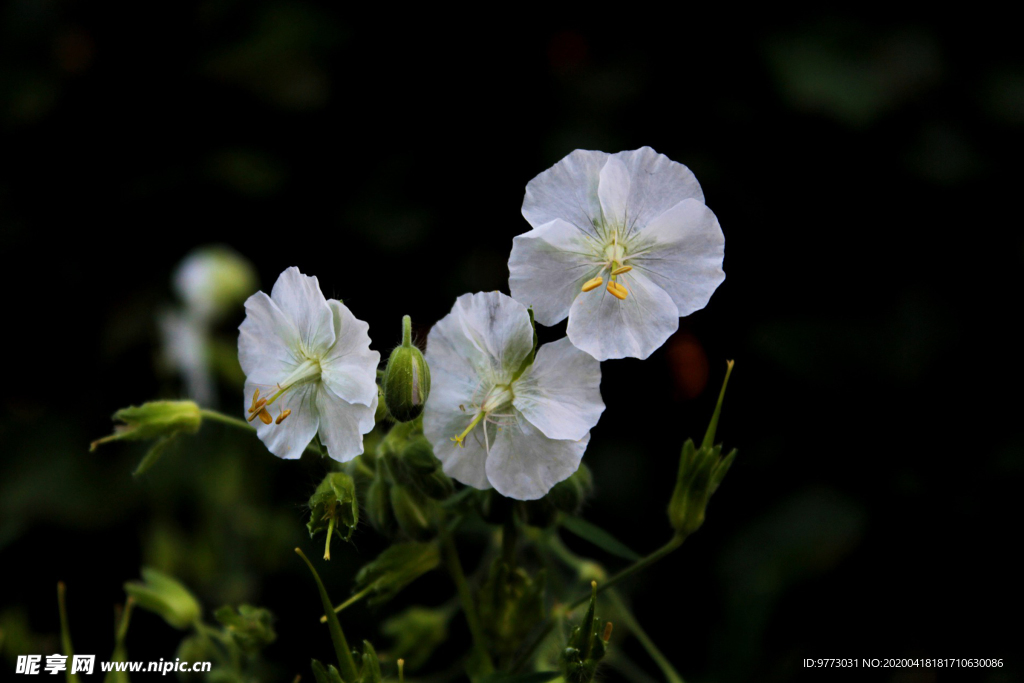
{"points": [[599, 537]]}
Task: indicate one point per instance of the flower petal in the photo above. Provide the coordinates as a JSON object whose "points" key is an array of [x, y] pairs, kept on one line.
{"points": [[300, 298], [524, 464], [499, 328], [288, 439], [560, 393], [268, 341], [606, 327], [342, 424], [350, 368], [454, 386], [684, 250], [548, 266], [656, 184], [567, 190], [613, 191]]}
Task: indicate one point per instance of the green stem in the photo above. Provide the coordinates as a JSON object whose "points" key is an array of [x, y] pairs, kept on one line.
{"points": [[348, 603], [476, 628], [671, 675], [638, 566], [346, 664], [215, 416], [65, 632]]}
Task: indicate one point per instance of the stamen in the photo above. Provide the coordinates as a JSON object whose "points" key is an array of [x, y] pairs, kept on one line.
{"points": [[255, 397], [622, 269], [280, 418], [462, 437], [593, 283], [264, 416], [256, 405], [617, 290]]}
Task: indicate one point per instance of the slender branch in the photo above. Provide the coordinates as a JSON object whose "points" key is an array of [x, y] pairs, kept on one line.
{"points": [[638, 566], [348, 603], [476, 628], [671, 675], [237, 423]]}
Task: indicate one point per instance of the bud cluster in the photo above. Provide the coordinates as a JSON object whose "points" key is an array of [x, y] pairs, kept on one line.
{"points": [[587, 645]]}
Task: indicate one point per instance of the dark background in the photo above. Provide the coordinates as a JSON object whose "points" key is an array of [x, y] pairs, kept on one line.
{"points": [[865, 171]]}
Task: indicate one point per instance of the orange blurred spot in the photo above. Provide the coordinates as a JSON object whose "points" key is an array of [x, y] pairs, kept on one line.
{"points": [[688, 363]]}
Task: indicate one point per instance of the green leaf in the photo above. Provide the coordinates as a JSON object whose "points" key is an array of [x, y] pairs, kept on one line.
{"points": [[599, 537]]}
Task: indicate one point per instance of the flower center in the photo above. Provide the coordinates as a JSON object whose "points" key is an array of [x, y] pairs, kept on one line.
{"points": [[499, 396], [614, 254], [307, 371]]}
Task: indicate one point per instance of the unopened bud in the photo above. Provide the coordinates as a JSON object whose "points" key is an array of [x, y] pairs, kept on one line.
{"points": [[406, 379], [701, 471], [415, 513], [587, 645], [154, 420], [378, 506], [212, 281], [165, 596]]}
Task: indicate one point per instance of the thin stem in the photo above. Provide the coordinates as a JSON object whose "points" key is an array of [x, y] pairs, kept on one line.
{"points": [[346, 664], [476, 628], [638, 566], [65, 631], [215, 416], [671, 675], [348, 603]]}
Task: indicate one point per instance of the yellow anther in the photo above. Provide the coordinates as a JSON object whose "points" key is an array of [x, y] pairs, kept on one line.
{"points": [[265, 417], [282, 416], [617, 290], [593, 283], [255, 397], [257, 408], [622, 269]]}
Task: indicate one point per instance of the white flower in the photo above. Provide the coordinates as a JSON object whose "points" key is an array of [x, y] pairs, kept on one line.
{"points": [[309, 360], [634, 222], [494, 423]]}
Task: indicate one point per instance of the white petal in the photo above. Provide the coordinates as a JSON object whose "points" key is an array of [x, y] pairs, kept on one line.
{"points": [[560, 393], [499, 328], [342, 424], [300, 298], [268, 341], [288, 439], [524, 464], [613, 191], [567, 190], [606, 327], [454, 382], [685, 247], [350, 368], [548, 266], [656, 184]]}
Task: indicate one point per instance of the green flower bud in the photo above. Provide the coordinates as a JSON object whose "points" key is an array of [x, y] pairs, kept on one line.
{"points": [[587, 645], [701, 471], [334, 508], [248, 626], [378, 506], [511, 604], [415, 513], [154, 420], [395, 568], [165, 596], [407, 378], [417, 632]]}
